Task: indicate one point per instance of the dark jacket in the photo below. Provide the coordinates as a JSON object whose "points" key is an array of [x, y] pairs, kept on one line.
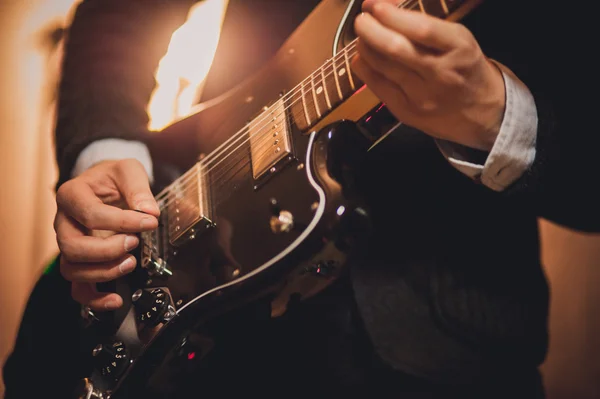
{"points": [[452, 287]]}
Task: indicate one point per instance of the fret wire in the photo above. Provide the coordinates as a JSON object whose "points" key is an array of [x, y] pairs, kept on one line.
{"points": [[308, 122], [337, 82], [312, 83], [240, 134], [348, 72], [325, 88]]}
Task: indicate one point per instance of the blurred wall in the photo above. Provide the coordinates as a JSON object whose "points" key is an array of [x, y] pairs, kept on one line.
{"points": [[27, 169], [572, 261], [28, 174]]}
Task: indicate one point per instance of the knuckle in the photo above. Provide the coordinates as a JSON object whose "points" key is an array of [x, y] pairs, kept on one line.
{"points": [[89, 218], [451, 79], [63, 245], [396, 47], [123, 223], [63, 192], [425, 32], [429, 106], [466, 40], [463, 32]]}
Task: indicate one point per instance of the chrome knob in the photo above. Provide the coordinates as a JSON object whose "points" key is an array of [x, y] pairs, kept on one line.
{"points": [[158, 267]]}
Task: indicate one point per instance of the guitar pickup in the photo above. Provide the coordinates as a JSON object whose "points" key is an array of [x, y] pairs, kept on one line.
{"points": [[270, 140], [188, 207]]}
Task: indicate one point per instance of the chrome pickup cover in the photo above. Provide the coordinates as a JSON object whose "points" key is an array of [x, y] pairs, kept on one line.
{"points": [[269, 138]]}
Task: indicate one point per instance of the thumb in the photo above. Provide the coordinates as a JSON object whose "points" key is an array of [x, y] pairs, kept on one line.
{"points": [[133, 183]]}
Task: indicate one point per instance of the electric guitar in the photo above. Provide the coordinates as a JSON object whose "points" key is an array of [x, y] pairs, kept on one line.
{"points": [[267, 208]]}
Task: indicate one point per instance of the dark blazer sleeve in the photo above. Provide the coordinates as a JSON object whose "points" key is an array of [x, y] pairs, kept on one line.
{"points": [[547, 45], [112, 50]]}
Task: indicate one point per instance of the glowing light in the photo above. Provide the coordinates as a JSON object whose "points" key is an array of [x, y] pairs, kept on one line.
{"points": [[183, 69], [191, 355]]}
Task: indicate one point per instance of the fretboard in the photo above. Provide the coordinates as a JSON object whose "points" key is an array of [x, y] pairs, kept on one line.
{"points": [[334, 81]]}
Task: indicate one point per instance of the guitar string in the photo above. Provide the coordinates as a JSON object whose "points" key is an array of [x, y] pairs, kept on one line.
{"points": [[181, 183], [242, 134], [266, 115], [188, 179]]}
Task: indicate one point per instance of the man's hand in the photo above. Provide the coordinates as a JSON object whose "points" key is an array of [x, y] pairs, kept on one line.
{"points": [[431, 74], [95, 225]]}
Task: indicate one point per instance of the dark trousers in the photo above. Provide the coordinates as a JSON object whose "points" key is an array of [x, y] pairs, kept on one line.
{"points": [[318, 348]]}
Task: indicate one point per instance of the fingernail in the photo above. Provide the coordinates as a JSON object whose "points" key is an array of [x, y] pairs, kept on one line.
{"points": [[147, 206], [130, 243], [127, 265], [111, 305], [147, 223]]}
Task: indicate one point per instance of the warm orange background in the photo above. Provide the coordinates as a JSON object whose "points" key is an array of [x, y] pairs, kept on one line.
{"points": [[28, 173]]}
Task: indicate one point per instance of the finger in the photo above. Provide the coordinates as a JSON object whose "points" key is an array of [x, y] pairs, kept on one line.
{"points": [[383, 88], [368, 4], [77, 199], [98, 272], [419, 27], [66, 227], [390, 44], [132, 181], [86, 294], [82, 249], [402, 76]]}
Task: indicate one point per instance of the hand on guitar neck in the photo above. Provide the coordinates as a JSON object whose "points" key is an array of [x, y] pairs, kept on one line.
{"points": [[113, 200], [430, 72]]}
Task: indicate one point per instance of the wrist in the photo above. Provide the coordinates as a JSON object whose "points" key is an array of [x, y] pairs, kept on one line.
{"points": [[493, 108], [488, 114]]}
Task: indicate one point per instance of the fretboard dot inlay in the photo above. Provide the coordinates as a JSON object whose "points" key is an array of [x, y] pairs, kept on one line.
{"points": [[341, 72], [319, 89]]}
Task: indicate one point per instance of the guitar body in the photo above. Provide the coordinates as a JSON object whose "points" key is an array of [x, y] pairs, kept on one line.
{"points": [[269, 212]]}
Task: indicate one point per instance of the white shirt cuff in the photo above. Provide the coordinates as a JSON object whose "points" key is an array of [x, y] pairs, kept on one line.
{"points": [[514, 149], [113, 149]]}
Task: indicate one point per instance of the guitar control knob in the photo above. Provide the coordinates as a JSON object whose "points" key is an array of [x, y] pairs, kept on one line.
{"points": [[112, 359], [152, 306]]}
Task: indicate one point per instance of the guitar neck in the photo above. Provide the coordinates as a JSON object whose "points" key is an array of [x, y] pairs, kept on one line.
{"points": [[334, 82]]}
